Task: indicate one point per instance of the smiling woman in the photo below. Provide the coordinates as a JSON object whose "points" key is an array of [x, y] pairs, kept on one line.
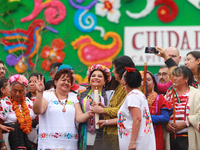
{"points": [[98, 75], [58, 110]]}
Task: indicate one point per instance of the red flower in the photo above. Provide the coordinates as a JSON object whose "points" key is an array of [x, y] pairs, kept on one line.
{"points": [[29, 106], [56, 135], [53, 54], [43, 135], [8, 102], [1, 108]]}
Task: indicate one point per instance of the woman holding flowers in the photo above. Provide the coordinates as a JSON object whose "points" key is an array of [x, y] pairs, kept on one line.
{"points": [[17, 112]]}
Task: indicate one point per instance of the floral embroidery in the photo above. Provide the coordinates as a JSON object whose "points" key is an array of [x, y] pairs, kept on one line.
{"points": [[56, 135], [59, 135], [133, 92], [195, 84], [56, 102], [109, 8], [70, 103], [148, 121], [43, 135], [122, 130], [8, 102], [1, 108]]}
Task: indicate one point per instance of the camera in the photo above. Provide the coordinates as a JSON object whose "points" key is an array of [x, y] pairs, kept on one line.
{"points": [[151, 50]]}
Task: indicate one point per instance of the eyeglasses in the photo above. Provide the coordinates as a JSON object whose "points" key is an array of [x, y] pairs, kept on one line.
{"points": [[2, 68], [162, 74]]}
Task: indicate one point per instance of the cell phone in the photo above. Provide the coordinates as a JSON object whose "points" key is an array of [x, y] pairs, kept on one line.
{"points": [[151, 50], [21, 148]]}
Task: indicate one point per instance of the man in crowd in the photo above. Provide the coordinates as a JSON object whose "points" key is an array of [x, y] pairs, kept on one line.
{"points": [[2, 70], [173, 52], [54, 68], [163, 76]]}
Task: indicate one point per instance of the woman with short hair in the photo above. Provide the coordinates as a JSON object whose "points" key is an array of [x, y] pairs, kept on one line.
{"points": [[58, 110]]}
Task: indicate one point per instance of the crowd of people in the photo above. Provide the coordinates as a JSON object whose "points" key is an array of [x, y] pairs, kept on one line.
{"points": [[62, 115]]}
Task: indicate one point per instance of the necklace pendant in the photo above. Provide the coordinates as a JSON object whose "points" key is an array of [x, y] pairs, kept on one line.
{"points": [[64, 110]]}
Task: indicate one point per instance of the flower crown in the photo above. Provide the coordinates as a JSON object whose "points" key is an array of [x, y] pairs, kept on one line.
{"points": [[99, 67], [21, 79]]}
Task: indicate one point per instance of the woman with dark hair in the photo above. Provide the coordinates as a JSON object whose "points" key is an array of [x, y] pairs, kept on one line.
{"points": [[98, 76], [4, 88], [31, 85], [135, 129], [192, 61], [187, 112], [58, 110], [110, 137], [160, 110]]}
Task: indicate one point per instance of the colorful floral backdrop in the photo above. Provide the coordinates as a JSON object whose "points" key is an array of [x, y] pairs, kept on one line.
{"points": [[36, 33]]}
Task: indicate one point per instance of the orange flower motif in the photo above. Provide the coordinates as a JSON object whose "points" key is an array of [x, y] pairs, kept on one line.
{"points": [[53, 54]]}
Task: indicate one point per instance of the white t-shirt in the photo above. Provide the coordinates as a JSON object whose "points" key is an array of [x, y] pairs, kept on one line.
{"points": [[57, 129], [146, 138]]}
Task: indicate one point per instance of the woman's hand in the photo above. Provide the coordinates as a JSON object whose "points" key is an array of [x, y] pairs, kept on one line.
{"points": [[132, 146], [102, 105], [40, 84], [179, 125], [5, 128], [162, 53], [198, 126], [169, 128], [97, 109], [101, 123]]}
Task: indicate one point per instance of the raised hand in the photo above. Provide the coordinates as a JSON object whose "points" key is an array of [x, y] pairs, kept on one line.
{"points": [[162, 53], [40, 84]]}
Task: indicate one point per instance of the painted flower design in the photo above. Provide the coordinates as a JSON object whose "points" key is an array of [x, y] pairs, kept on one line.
{"points": [[109, 8], [53, 54]]}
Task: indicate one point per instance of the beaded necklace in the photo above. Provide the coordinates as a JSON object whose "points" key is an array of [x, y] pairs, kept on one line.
{"points": [[63, 104]]}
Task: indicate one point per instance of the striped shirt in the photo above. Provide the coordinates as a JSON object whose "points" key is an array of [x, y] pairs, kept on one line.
{"points": [[181, 110]]}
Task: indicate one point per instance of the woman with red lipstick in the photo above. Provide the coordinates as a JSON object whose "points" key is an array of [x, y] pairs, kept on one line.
{"points": [[98, 75], [187, 112]]}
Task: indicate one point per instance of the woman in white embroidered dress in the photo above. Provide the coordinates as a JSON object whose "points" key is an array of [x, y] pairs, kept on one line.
{"points": [[135, 128], [58, 110]]}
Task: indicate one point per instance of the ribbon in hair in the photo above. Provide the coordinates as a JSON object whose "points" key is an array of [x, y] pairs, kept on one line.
{"points": [[129, 69]]}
